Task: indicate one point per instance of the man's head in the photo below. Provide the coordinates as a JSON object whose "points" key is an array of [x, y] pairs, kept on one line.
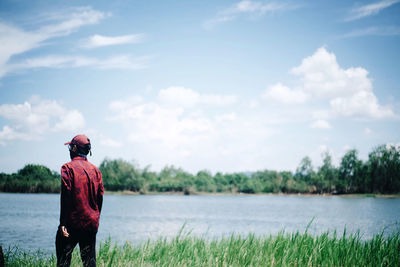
{"points": [[79, 146]]}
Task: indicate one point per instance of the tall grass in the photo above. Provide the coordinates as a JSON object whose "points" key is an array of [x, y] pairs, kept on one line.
{"points": [[283, 249]]}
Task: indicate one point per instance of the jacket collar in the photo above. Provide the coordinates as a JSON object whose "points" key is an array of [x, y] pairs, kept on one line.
{"points": [[79, 158]]}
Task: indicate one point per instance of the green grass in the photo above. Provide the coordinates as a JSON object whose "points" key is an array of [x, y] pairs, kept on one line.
{"points": [[283, 249]]}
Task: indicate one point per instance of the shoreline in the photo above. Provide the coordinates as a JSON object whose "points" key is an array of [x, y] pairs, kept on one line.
{"points": [[132, 193]]}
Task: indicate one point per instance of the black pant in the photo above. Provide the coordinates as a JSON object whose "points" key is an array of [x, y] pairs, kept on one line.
{"points": [[65, 246]]}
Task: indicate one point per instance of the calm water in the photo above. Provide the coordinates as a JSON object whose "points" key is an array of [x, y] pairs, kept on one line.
{"points": [[30, 220]]}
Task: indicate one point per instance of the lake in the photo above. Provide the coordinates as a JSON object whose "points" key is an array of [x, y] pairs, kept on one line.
{"points": [[30, 220]]}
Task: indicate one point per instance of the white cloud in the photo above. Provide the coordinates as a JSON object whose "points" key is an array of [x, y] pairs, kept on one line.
{"points": [[253, 104], [100, 40], [329, 91], [283, 94], [32, 120], [360, 104], [70, 20], [218, 100], [367, 131], [323, 149], [226, 117], [209, 24], [57, 61], [186, 97], [123, 62], [10, 134], [178, 127], [180, 96], [70, 121], [322, 76], [109, 142], [168, 126], [370, 9], [120, 105], [321, 114], [320, 124], [349, 91], [346, 148], [26, 116], [17, 41], [245, 7], [373, 31]]}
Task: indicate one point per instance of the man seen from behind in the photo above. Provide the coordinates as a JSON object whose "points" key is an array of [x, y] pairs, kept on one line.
{"points": [[81, 202]]}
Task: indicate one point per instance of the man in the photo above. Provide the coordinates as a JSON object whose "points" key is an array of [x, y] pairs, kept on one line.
{"points": [[81, 201]]}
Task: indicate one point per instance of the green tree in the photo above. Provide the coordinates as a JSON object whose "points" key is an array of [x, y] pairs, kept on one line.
{"points": [[384, 169], [350, 170], [172, 179], [288, 183], [221, 183], [250, 186], [204, 182], [305, 173], [31, 179], [119, 174], [235, 180], [326, 174], [269, 181]]}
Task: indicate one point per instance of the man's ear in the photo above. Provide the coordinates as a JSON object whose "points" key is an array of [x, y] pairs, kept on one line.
{"points": [[74, 148]]}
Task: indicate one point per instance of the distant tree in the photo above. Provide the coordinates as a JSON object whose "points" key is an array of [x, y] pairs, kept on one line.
{"points": [[269, 181], [221, 182], [287, 182], [36, 172], [250, 186], [204, 182], [31, 179], [380, 174], [384, 169], [5, 180], [327, 174], [149, 177], [235, 181], [305, 170], [350, 176], [119, 174]]}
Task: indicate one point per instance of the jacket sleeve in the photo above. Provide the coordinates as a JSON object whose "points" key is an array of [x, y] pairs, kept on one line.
{"points": [[100, 192], [65, 198]]}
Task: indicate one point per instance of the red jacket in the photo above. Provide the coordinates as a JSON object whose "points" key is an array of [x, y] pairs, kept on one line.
{"points": [[81, 195]]}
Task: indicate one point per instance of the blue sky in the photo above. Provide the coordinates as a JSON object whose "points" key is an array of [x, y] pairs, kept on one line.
{"points": [[218, 85]]}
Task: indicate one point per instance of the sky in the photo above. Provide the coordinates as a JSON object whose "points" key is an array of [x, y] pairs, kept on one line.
{"points": [[226, 86]]}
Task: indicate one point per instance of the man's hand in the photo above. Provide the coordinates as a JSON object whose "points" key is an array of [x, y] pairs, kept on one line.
{"points": [[64, 231]]}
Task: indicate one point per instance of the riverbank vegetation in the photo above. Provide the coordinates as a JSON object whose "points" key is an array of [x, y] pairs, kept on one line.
{"points": [[31, 179], [379, 174], [284, 249]]}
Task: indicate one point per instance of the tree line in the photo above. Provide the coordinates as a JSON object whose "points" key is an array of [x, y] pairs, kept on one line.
{"points": [[380, 173]]}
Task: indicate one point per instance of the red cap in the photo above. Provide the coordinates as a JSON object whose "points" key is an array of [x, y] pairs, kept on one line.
{"points": [[80, 140]]}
